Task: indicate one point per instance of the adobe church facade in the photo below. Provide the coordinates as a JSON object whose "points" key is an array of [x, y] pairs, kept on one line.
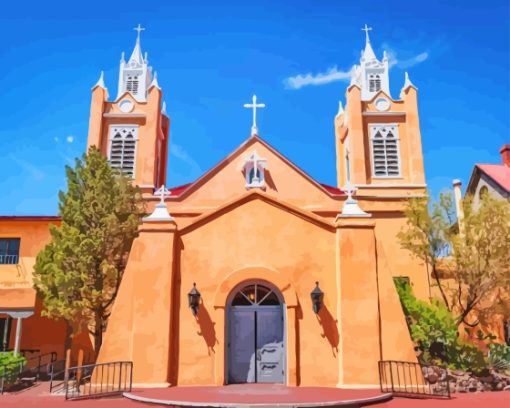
{"points": [[248, 242], [254, 236]]}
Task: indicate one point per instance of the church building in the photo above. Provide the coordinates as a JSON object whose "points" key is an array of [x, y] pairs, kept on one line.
{"points": [[255, 272]]}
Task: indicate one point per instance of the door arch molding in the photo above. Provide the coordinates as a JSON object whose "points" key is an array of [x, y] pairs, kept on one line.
{"points": [[287, 291]]}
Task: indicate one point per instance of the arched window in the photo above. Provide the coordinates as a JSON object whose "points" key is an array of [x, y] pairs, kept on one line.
{"points": [[255, 295], [385, 151], [254, 168], [374, 82], [123, 148], [132, 84], [484, 190]]}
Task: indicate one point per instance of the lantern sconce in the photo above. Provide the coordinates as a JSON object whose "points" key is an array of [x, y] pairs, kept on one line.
{"points": [[194, 299], [317, 296]]}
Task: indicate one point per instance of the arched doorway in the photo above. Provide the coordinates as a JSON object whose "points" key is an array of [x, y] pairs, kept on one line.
{"points": [[255, 335]]}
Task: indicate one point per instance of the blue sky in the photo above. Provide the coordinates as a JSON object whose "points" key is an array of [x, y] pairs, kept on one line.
{"points": [[212, 56]]}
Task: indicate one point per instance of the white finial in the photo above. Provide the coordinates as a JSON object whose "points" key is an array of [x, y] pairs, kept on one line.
{"points": [[146, 57], [407, 82], [122, 58], [160, 212], [254, 105], [139, 29], [340, 108], [154, 81], [163, 108], [162, 192], [366, 29], [100, 81], [351, 207]]}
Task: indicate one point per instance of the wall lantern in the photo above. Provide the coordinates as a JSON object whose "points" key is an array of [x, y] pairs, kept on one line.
{"points": [[317, 295], [194, 299]]}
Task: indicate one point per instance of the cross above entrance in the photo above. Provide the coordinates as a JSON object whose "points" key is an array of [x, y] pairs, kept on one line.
{"points": [[254, 105], [162, 192]]}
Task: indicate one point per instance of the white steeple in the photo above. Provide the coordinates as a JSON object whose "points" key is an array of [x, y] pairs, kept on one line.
{"points": [[371, 75], [135, 74]]}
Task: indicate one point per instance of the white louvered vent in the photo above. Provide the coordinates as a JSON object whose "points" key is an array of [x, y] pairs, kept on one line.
{"points": [[123, 148], [385, 150]]}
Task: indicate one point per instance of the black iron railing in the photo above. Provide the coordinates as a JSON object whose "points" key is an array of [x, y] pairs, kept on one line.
{"points": [[56, 373], [30, 371], [99, 380], [409, 379]]}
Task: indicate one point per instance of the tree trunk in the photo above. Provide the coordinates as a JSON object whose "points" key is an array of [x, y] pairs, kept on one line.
{"points": [[443, 295], [98, 334], [69, 337]]}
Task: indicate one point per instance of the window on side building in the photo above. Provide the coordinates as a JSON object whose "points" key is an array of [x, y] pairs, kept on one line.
{"points": [[9, 250]]}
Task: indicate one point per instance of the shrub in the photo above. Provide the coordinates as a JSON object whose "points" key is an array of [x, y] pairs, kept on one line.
{"points": [[10, 366], [434, 329]]}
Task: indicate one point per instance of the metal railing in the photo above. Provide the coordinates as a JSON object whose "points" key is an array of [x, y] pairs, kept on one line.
{"points": [[30, 371], [409, 379], [57, 376], [98, 380], [9, 259]]}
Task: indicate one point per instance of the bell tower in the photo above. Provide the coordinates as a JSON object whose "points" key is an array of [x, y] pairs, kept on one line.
{"points": [[132, 130], [378, 139]]}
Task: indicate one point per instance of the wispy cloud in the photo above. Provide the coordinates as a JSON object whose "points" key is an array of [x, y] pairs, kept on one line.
{"points": [[409, 62], [394, 60], [333, 74], [34, 172], [178, 152], [70, 139]]}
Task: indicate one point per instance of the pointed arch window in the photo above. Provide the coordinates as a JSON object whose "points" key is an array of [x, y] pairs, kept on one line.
{"points": [[254, 169], [122, 152], [132, 84], [374, 83], [385, 150]]}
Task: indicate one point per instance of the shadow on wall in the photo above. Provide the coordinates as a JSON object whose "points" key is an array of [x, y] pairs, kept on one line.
{"points": [[329, 328], [207, 330]]}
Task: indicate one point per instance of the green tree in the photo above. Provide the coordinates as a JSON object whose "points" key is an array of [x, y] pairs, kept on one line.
{"points": [[78, 273], [477, 257]]}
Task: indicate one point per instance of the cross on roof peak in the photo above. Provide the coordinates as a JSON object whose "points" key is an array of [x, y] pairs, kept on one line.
{"points": [[254, 105]]}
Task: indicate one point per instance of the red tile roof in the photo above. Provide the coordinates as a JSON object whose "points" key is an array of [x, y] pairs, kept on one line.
{"points": [[497, 172]]}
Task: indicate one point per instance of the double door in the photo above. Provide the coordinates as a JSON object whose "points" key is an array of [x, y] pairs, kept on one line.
{"points": [[256, 345]]}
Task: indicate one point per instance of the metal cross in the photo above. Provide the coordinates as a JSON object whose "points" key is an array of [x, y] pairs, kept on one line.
{"points": [[162, 192], [254, 105], [139, 29], [366, 29]]}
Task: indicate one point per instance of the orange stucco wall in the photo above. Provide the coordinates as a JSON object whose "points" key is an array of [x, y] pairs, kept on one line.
{"points": [[37, 332]]}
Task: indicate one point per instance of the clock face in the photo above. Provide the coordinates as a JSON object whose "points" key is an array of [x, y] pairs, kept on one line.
{"points": [[382, 104], [126, 106]]}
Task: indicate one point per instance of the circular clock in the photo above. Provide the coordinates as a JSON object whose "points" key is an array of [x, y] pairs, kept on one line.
{"points": [[382, 104], [126, 105]]}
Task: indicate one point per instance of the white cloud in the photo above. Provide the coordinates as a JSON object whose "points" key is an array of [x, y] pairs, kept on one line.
{"points": [[331, 75], [70, 139], [405, 63], [178, 152], [410, 62]]}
